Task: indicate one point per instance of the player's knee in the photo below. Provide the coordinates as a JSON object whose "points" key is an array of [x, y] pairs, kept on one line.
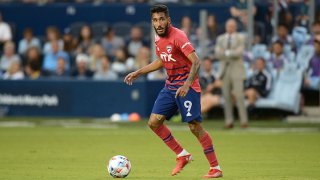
{"points": [[155, 122], [152, 124], [195, 128], [192, 127]]}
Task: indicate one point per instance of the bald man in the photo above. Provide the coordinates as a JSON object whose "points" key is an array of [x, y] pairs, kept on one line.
{"points": [[229, 50]]}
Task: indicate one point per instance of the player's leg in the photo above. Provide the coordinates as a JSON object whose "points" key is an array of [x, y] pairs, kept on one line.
{"points": [[156, 124], [208, 149], [164, 108], [190, 110]]}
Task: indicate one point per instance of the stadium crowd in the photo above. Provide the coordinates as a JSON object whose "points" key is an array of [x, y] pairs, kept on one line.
{"points": [[83, 52]]}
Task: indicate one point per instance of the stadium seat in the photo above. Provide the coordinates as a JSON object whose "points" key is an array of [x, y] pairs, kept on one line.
{"points": [[146, 30], [291, 56], [286, 92], [76, 27], [304, 56], [259, 50], [99, 29], [122, 29]]}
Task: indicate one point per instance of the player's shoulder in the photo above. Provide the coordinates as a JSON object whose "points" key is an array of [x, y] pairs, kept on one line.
{"points": [[178, 32], [156, 38]]}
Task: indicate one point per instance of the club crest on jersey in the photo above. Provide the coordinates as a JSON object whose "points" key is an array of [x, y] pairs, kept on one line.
{"points": [[169, 49]]}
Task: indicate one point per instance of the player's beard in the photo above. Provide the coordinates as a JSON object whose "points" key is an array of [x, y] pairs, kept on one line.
{"points": [[165, 32]]}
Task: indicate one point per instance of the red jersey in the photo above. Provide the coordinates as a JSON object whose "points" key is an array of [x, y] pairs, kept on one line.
{"points": [[173, 50]]}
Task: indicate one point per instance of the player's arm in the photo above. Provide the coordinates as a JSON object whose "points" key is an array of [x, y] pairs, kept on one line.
{"points": [[183, 90], [155, 65]]}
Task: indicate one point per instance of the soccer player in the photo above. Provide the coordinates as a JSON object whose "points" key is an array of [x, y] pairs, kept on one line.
{"points": [[182, 90]]}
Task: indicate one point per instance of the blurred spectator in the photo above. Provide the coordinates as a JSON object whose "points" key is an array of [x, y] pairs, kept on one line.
{"points": [[229, 50], [14, 72], [186, 25], [315, 30], [96, 54], [283, 35], [69, 43], [285, 16], [143, 57], [9, 56], [135, 42], [195, 39], [85, 40], [53, 34], [39, 2], [259, 84], [28, 41], [123, 63], [111, 43], [277, 58], [104, 72], [82, 71], [157, 75], [5, 32], [239, 12], [51, 58], [213, 28], [33, 54], [61, 69], [302, 17], [211, 87], [33, 70], [312, 80]]}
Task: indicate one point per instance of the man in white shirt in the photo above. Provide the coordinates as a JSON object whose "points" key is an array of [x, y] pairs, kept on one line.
{"points": [[5, 31]]}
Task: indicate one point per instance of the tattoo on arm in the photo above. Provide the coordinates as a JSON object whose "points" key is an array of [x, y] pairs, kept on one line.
{"points": [[193, 72]]}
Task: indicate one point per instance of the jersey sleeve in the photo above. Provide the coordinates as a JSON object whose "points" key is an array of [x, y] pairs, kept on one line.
{"points": [[182, 42]]}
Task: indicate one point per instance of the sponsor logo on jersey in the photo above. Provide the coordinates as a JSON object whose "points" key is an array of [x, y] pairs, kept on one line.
{"points": [[167, 57]]}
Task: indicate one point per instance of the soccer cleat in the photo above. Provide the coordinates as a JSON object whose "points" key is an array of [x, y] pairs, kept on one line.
{"points": [[182, 161], [213, 173]]}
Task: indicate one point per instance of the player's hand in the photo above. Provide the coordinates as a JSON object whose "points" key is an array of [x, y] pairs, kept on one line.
{"points": [[131, 77], [182, 91]]}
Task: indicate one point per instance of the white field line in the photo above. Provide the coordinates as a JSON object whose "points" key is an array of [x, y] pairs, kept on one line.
{"points": [[17, 124]]}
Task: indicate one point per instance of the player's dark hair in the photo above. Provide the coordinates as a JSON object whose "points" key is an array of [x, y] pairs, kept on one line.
{"points": [[159, 8]]}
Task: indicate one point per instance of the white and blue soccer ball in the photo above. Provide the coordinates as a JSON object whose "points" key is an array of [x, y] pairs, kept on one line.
{"points": [[119, 166]]}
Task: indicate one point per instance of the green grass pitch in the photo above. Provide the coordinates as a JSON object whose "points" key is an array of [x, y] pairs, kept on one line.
{"points": [[79, 150]]}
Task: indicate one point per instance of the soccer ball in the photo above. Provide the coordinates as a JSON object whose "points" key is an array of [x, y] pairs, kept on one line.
{"points": [[119, 166]]}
